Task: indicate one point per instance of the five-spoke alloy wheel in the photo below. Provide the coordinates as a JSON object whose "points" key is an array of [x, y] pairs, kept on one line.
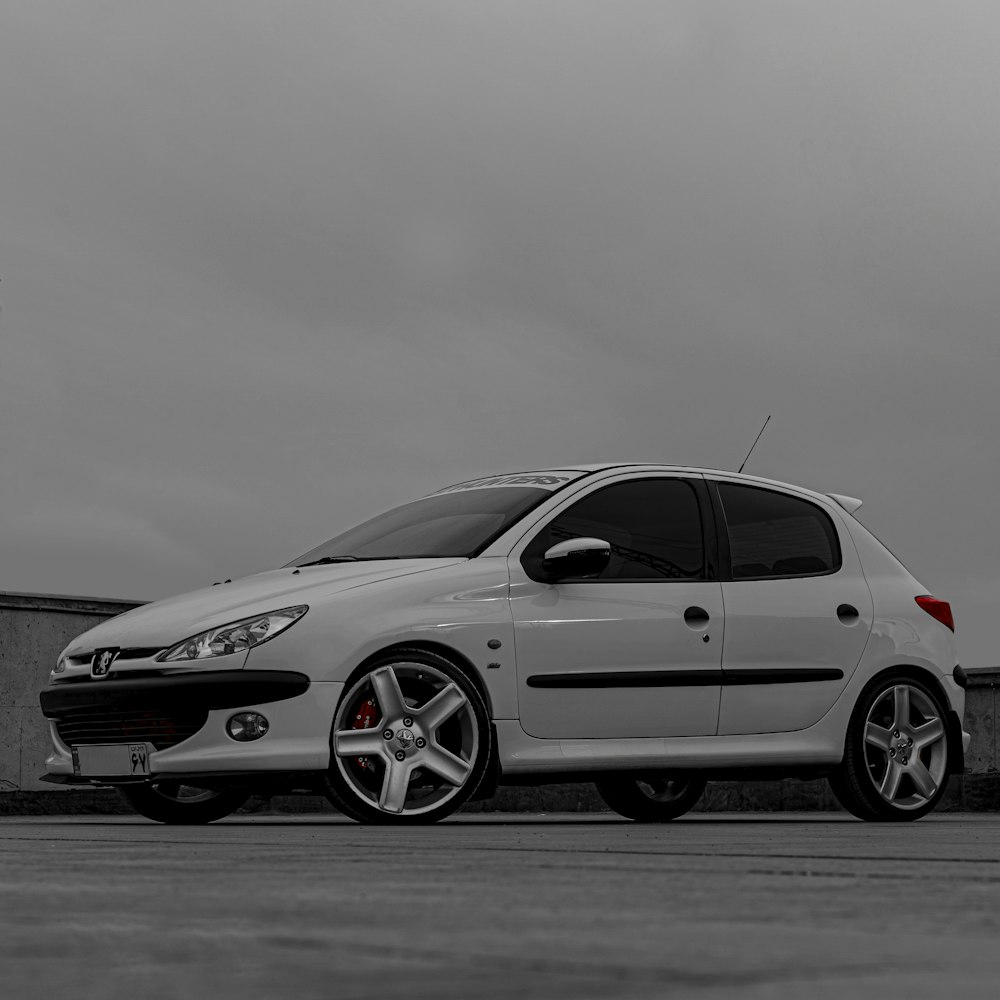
{"points": [[896, 755], [411, 740], [652, 798]]}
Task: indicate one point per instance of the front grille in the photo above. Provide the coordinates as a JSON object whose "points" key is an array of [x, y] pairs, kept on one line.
{"points": [[114, 675], [87, 726], [136, 653], [131, 653]]}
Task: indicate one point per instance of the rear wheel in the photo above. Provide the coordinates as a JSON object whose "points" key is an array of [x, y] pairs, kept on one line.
{"points": [[895, 763], [410, 743], [652, 798], [176, 803]]}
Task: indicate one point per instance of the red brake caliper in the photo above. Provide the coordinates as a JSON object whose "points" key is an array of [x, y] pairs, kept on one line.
{"points": [[364, 718]]}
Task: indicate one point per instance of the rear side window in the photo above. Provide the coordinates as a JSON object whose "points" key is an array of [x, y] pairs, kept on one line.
{"points": [[653, 527], [777, 535]]}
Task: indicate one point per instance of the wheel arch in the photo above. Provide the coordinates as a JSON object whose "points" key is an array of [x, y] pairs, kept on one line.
{"points": [[449, 653], [956, 751]]}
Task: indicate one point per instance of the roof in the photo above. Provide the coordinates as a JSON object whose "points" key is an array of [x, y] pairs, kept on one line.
{"points": [[555, 476], [660, 467]]}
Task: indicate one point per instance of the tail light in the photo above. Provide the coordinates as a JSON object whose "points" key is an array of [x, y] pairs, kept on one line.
{"points": [[941, 610]]}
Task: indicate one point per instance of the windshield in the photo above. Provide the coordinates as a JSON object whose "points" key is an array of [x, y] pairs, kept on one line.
{"points": [[450, 524]]}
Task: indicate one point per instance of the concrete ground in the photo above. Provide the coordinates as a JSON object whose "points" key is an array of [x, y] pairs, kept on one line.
{"points": [[497, 906]]}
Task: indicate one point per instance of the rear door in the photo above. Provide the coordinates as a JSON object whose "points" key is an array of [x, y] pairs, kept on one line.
{"points": [[636, 651], [798, 608]]}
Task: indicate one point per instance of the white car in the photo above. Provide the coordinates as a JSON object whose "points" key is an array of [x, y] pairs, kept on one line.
{"points": [[644, 627]]}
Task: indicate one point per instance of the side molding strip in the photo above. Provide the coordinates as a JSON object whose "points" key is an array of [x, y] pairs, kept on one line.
{"points": [[780, 675], [684, 678], [628, 678]]}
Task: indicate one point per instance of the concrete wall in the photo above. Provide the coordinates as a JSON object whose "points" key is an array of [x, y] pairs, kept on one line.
{"points": [[981, 703], [34, 629]]}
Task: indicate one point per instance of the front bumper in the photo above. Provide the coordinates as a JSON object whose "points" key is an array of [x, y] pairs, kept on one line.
{"points": [[300, 714]]}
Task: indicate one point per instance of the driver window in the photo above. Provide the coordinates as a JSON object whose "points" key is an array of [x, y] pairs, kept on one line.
{"points": [[653, 527]]}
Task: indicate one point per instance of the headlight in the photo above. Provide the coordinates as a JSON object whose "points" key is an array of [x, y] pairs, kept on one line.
{"points": [[236, 636]]}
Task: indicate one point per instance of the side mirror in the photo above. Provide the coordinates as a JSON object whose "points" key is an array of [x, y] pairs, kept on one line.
{"points": [[577, 558]]}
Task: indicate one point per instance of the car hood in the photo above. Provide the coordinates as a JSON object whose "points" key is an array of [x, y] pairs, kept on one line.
{"points": [[163, 623]]}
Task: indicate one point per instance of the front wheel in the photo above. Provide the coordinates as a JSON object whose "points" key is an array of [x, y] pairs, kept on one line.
{"points": [[410, 743], [651, 799], [895, 763], [176, 803]]}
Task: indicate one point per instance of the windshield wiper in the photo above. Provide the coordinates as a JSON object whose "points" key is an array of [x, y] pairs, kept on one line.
{"points": [[327, 560]]}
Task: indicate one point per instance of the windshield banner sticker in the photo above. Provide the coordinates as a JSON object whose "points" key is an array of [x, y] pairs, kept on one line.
{"points": [[548, 480]]}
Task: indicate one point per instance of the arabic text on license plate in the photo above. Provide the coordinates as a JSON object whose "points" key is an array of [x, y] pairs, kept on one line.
{"points": [[114, 760]]}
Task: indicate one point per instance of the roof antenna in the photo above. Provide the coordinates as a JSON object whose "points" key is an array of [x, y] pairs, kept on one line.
{"points": [[754, 445]]}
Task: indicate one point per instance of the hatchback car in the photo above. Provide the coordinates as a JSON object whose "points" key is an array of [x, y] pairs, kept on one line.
{"points": [[647, 628]]}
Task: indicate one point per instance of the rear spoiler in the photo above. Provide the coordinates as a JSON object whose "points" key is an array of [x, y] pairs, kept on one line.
{"points": [[850, 504]]}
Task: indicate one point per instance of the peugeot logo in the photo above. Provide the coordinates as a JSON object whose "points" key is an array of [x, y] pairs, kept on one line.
{"points": [[405, 739], [101, 664]]}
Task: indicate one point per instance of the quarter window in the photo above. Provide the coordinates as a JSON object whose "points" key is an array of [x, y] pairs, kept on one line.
{"points": [[777, 535], [653, 527]]}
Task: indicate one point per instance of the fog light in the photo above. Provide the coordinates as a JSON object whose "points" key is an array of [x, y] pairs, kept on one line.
{"points": [[247, 726]]}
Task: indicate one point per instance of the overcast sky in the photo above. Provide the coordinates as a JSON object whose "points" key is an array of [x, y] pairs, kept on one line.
{"points": [[269, 268]]}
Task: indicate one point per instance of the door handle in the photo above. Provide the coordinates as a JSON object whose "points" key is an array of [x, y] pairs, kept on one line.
{"points": [[695, 617], [848, 614]]}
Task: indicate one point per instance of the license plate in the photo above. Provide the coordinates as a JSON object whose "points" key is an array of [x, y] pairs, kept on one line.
{"points": [[114, 760]]}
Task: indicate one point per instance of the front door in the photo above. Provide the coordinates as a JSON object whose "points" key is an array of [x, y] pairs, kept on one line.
{"points": [[636, 651]]}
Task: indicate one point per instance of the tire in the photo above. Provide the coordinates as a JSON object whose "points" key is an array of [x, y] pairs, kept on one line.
{"points": [[174, 803], [652, 798], [895, 765], [440, 741]]}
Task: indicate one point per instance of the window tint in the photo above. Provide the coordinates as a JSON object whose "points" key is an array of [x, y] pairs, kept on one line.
{"points": [[653, 526], [773, 534], [446, 524]]}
